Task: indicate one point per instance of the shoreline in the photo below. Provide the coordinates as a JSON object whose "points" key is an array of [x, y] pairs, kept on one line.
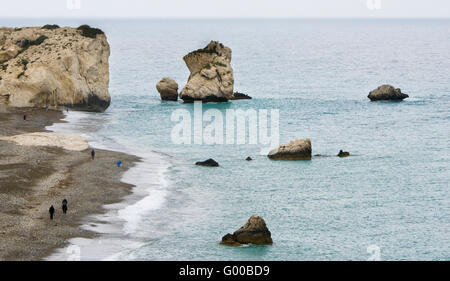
{"points": [[32, 178]]}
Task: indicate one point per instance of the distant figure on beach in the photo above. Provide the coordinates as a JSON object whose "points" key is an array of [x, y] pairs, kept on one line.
{"points": [[119, 163], [64, 206], [56, 107], [24, 117], [46, 108], [51, 211], [67, 109], [93, 154]]}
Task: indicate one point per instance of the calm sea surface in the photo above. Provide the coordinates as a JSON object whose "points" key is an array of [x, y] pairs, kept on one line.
{"points": [[392, 194]]}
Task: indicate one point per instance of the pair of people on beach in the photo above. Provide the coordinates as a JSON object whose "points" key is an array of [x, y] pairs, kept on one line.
{"points": [[52, 209]]}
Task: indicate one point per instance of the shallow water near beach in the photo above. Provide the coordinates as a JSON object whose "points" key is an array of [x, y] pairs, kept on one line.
{"points": [[393, 192]]}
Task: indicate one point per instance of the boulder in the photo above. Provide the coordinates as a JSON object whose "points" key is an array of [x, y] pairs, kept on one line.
{"points": [[386, 92], [343, 153], [299, 149], [208, 163], [254, 231], [211, 75], [248, 158], [240, 96], [168, 89], [54, 66]]}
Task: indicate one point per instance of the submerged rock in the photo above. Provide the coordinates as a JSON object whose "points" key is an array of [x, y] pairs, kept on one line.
{"points": [[240, 96], [386, 92], [211, 75], [208, 163], [254, 231], [295, 150], [54, 66], [343, 153], [168, 89]]}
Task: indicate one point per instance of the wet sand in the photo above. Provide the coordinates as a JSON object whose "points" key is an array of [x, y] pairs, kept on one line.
{"points": [[34, 178]]}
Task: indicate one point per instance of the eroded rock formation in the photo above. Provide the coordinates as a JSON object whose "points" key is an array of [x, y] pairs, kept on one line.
{"points": [[211, 76], [168, 89], [54, 66], [254, 231], [295, 150]]}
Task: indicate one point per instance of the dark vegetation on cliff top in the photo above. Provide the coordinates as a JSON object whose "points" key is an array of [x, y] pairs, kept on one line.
{"points": [[206, 50], [88, 31], [50, 26], [26, 44]]}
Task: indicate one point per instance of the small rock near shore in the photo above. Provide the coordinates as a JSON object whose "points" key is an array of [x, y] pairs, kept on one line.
{"points": [[248, 158], [254, 231], [386, 92], [208, 163]]}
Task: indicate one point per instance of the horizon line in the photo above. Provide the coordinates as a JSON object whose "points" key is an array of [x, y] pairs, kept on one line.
{"points": [[231, 18]]}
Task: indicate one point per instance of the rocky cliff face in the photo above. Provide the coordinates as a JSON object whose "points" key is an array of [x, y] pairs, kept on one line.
{"points": [[211, 78], [50, 65]]}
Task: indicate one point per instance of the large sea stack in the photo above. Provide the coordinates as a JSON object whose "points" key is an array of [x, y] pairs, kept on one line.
{"points": [[211, 76], [54, 65], [387, 92]]}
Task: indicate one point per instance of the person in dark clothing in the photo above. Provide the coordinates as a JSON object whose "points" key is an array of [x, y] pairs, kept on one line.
{"points": [[24, 117], [64, 206], [51, 211], [93, 154]]}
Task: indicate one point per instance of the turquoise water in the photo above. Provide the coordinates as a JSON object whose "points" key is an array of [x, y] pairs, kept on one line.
{"points": [[393, 192]]}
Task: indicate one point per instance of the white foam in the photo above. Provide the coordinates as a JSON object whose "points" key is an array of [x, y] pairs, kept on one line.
{"points": [[154, 199]]}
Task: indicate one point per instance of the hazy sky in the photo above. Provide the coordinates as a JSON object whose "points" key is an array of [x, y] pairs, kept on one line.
{"points": [[226, 8]]}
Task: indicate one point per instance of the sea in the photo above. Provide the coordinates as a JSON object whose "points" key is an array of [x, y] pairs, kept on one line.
{"points": [[390, 200]]}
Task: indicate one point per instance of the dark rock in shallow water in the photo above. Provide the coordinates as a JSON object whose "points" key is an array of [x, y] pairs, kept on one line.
{"points": [[240, 96], [208, 163], [248, 158], [386, 92], [254, 231], [343, 153]]}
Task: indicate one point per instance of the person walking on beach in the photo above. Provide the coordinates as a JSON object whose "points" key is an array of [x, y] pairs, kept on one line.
{"points": [[64, 206], [93, 154], [51, 211], [24, 117], [119, 163]]}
